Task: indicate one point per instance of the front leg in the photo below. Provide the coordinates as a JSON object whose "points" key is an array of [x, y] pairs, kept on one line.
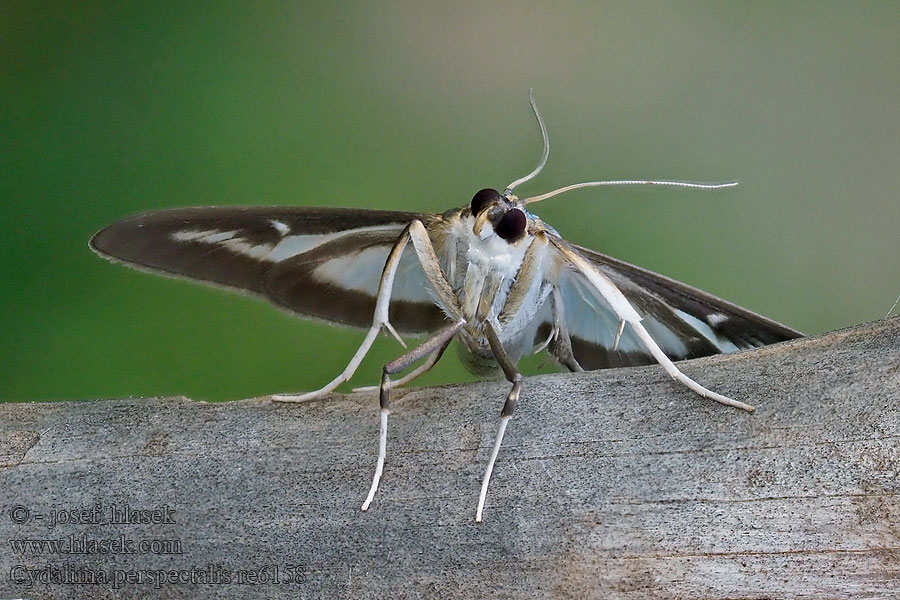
{"points": [[418, 234]]}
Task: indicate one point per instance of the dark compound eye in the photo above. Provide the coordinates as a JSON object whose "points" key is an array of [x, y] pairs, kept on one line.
{"points": [[511, 226], [483, 198]]}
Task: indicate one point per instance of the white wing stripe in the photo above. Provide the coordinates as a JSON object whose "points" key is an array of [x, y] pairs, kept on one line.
{"points": [[288, 246], [205, 236], [725, 345]]}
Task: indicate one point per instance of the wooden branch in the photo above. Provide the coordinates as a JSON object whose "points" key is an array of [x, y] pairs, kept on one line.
{"points": [[611, 484]]}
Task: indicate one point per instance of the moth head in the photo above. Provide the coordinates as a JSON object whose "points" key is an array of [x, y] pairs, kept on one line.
{"points": [[502, 212]]}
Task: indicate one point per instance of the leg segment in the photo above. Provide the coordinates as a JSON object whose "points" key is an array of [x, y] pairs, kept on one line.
{"points": [[435, 347], [447, 299], [418, 234], [617, 301], [512, 374], [379, 321], [561, 344], [433, 359], [677, 375]]}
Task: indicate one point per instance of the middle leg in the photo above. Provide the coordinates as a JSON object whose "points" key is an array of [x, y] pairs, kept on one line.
{"points": [[434, 346], [417, 234], [433, 359]]}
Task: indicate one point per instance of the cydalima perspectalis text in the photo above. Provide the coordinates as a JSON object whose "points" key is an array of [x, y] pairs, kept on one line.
{"points": [[490, 274]]}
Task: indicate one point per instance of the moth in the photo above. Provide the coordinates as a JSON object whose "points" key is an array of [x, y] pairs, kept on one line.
{"points": [[490, 274]]}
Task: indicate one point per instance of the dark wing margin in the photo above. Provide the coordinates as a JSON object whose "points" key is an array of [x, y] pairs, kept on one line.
{"points": [[686, 322], [742, 326], [321, 263]]}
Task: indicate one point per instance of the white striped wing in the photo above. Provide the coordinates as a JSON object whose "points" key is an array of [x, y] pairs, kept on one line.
{"points": [[684, 321], [320, 263]]}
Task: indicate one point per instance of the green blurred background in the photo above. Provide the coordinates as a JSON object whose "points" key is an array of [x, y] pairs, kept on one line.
{"points": [[112, 109]]}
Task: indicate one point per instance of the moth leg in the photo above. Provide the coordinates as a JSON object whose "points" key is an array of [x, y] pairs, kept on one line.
{"points": [[435, 274], [418, 234], [379, 321], [619, 332], [512, 374], [433, 359], [447, 300], [677, 375], [434, 346], [446, 297], [514, 308], [623, 309], [438, 280], [561, 343]]}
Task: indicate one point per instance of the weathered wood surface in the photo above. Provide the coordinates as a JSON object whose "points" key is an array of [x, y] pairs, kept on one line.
{"points": [[615, 484]]}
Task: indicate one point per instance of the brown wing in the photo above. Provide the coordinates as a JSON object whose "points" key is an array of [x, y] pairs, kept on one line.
{"points": [[684, 321], [323, 263]]}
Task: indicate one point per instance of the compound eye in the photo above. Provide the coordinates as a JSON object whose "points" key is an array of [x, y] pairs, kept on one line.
{"points": [[483, 198], [511, 226]]}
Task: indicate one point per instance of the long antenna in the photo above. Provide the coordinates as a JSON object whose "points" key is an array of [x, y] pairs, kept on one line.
{"points": [[545, 154], [575, 186]]}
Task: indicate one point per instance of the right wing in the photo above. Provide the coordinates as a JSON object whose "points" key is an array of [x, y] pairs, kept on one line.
{"points": [[684, 321]]}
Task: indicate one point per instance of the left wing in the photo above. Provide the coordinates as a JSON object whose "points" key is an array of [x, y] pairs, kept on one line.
{"points": [[684, 321], [324, 263]]}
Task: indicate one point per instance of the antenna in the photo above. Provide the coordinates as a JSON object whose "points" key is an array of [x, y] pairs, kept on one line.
{"points": [[575, 186], [544, 155]]}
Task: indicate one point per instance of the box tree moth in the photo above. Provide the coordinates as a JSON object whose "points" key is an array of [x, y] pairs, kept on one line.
{"points": [[491, 274]]}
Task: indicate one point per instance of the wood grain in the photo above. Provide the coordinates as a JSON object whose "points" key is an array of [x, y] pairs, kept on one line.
{"points": [[611, 484]]}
